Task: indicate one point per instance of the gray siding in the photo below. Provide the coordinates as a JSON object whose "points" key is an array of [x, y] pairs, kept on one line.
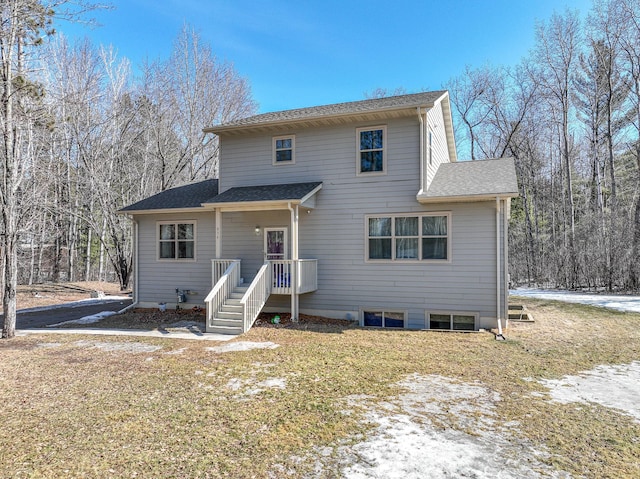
{"points": [[334, 232], [440, 152], [158, 280]]}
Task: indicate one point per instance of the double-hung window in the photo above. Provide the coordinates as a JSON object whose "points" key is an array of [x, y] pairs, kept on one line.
{"points": [[370, 147], [284, 150], [408, 237], [176, 241]]}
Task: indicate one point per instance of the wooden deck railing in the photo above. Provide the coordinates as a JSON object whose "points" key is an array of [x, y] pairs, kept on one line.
{"points": [[222, 289], [218, 268], [255, 298], [306, 276]]}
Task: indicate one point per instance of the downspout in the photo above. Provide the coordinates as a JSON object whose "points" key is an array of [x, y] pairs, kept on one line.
{"points": [[136, 281], [505, 269], [499, 336], [294, 261], [422, 182]]}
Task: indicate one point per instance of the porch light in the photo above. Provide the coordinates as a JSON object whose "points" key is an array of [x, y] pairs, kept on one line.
{"points": [[257, 230]]}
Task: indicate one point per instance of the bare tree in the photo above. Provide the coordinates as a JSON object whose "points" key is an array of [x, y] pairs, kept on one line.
{"points": [[628, 15], [183, 94], [557, 44]]}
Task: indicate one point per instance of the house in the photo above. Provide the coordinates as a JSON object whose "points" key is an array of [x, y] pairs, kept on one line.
{"points": [[354, 210]]}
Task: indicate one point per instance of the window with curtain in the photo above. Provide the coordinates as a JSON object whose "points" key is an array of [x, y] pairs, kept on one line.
{"points": [[408, 237]]}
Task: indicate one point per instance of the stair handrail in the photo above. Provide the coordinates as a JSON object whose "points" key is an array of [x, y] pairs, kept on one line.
{"points": [[255, 297], [222, 290]]}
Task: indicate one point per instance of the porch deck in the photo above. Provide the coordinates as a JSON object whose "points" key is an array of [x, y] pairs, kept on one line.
{"points": [[281, 274], [232, 306]]}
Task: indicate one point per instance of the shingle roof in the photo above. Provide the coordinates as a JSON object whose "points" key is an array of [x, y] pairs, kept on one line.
{"points": [[285, 192], [336, 109], [474, 178], [187, 196]]}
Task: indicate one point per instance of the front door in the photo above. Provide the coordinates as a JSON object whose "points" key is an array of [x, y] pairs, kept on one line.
{"points": [[275, 244]]}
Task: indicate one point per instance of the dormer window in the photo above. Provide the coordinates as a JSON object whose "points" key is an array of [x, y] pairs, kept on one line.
{"points": [[284, 148], [370, 147]]}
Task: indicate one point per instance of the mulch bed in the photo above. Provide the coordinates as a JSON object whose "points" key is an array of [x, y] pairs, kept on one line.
{"points": [[283, 320]]}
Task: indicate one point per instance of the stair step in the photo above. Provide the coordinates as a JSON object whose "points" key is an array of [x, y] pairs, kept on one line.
{"points": [[231, 308], [231, 330], [228, 315], [230, 323]]}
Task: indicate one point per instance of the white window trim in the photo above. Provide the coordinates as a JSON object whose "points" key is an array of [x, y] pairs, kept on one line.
{"points": [[195, 241], [427, 319], [430, 145], [404, 313], [384, 151], [293, 150], [418, 260], [286, 241]]}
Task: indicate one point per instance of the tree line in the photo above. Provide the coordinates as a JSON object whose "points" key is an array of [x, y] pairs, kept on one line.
{"points": [[569, 114], [84, 134]]}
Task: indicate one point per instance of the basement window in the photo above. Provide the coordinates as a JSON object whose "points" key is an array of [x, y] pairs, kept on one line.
{"points": [[383, 318], [452, 321]]}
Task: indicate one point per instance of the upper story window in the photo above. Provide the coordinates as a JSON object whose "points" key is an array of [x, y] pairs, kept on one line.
{"points": [[408, 237], [284, 150], [177, 240], [371, 146]]}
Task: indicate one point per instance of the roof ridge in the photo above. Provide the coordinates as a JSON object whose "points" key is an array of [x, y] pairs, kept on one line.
{"points": [[335, 109]]}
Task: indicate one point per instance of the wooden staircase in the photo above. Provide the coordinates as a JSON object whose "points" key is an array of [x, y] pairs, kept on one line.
{"points": [[228, 318], [518, 313]]}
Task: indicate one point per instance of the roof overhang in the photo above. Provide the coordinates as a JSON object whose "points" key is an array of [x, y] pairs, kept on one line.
{"points": [[426, 199], [342, 118], [164, 211], [306, 199]]}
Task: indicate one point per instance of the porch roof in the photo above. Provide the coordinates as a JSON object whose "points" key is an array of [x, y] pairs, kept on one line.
{"points": [[266, 196], [182, 198], [472, 181]]}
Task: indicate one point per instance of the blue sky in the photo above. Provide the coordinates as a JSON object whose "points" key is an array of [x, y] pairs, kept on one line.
{"points": [[303, 53]]}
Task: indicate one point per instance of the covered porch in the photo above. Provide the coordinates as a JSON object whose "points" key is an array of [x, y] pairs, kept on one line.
{"points": [[270, 248]]}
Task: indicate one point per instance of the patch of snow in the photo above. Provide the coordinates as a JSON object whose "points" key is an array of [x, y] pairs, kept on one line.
{"points": [[115, 346], [236, 384], [423, 433], [616, 387], [242, 346], [176, 351], [49, 345], [618, 302], [94, 318]]}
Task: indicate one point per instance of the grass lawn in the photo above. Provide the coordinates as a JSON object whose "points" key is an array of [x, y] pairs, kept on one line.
{"points": [[88, 406]]}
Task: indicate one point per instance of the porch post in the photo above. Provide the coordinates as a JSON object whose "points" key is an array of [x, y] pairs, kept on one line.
{"points": [[218, 233], [294, 265]]}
